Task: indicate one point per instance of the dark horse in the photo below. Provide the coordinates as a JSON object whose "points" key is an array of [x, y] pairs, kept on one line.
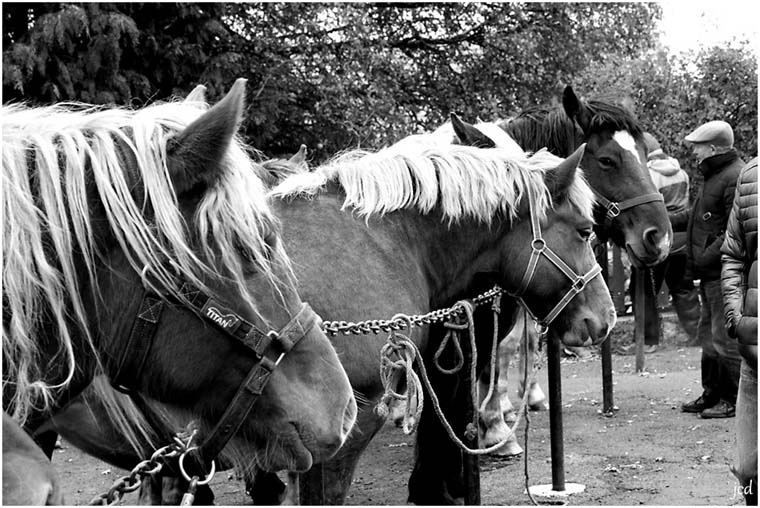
{"points": [[630, 212], [139, 243]]}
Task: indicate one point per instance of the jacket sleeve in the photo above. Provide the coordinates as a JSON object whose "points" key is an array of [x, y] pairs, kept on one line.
{"points": [[732, 277], [711, 256]]}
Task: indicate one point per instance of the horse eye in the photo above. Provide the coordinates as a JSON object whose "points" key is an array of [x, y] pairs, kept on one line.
{"points": [[606, 162], [586, 234]]}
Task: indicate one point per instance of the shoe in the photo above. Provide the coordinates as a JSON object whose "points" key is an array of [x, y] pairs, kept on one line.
{"points": [[651, 349], [697, 406], [722, 409]]}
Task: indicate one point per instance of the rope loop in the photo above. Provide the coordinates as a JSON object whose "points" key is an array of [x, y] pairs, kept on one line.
{"points": [[459, 321], [396, 364]]}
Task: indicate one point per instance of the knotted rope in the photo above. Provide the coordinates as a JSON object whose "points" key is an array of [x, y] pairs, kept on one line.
{"points": [[397, 359]]}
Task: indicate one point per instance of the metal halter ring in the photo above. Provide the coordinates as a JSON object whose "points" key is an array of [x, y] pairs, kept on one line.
{"points": [[538, 244], [209, 476], [613, 210]]}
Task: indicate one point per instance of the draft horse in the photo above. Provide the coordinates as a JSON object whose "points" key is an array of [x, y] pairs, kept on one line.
{"points": [[407, 229], [139, 244], [629, 210]]}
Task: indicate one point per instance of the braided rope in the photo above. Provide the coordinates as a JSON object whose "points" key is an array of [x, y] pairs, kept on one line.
{"points": [[496, 310]]}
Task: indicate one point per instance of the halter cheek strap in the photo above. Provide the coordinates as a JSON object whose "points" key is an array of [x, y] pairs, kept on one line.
{"points": [[268, 349], [538, 249]]}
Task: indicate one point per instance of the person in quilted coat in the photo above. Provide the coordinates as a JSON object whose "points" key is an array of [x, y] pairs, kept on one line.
{"points": [[739, 283], [719, 164]]}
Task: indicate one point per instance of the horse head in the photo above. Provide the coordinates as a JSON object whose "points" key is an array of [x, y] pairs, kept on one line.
{"points": [[569, 294], [178, 280], [616, 168]]}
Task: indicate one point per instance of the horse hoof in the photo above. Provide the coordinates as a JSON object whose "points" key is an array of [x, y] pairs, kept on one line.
{"points": [[541, 405], [510, 449]]}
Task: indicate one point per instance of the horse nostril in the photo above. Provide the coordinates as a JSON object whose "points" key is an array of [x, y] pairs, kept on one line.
{"points": [[650, 236]]}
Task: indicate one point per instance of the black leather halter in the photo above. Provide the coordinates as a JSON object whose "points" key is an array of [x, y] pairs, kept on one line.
{"points": [[613, 208], [539, 248], [268, 350]]}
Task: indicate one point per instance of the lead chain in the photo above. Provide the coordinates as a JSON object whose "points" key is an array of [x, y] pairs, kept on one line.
{"points": [[385, 325]]}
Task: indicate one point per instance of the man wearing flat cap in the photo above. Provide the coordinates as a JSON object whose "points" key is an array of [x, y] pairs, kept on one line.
{"points": [[719, 164]]}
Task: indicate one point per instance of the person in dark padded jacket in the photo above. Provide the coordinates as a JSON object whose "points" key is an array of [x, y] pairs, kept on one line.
{"points": [[719, 164], [739, 282]]}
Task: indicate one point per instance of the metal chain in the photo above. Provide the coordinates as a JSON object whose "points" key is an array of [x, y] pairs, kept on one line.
{"points": [[386, 325], [155, 464], [149, 467]]}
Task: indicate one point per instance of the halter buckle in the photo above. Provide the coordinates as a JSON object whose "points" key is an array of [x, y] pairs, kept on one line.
{"points": [[613, 210], [578, 284]]}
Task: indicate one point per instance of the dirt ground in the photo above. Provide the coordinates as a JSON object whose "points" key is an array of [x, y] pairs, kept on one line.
{"points": [[648, 453]]}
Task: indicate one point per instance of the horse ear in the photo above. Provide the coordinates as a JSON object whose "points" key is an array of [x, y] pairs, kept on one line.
{"points": [[563, 175], [197, 95], [300, 157], [469, 135], [195, 154], [574, 108]]}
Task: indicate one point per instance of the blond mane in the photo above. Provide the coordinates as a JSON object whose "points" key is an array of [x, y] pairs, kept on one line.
{"points": [[421, 173], [53, 157]]}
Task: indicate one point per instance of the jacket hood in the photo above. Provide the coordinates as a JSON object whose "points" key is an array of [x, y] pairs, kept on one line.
{"points": [[666, 167]]}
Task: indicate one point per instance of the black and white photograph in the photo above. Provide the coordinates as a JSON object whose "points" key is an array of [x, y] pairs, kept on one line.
{"points": [[379, 254]]}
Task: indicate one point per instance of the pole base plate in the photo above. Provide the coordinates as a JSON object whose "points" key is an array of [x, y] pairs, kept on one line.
{"points": [[548, 491]]}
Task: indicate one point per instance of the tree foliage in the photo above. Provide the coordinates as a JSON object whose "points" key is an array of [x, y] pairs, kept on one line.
{"points": [[338, 75], [674, 95]]}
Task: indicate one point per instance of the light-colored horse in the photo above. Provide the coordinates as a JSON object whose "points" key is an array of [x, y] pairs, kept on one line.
{"points": [[139, 243]]}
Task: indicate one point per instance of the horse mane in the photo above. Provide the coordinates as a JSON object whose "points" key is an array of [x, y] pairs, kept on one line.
{"points": [[537, 127], [276, 170], [56, 159], [607, 114], [445, 134], [465, 182]]}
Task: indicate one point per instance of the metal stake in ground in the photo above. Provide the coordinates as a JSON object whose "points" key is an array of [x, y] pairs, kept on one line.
{"points": [[558, 487], [639, 315], [608, 402]]}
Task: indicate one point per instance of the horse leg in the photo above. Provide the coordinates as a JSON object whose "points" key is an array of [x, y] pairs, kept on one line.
{"points": [[536, 397], [265, 488], [328, 483], [293, 493], [493, 427], [47, 441], [436, 477]]}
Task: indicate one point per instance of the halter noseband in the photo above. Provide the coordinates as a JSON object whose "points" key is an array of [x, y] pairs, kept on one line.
{"points": [[539, 248], [613, 208], [268, 350]]}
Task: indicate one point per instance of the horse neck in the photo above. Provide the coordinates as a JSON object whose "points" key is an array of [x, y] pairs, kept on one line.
{"points": [[450, 256]]}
